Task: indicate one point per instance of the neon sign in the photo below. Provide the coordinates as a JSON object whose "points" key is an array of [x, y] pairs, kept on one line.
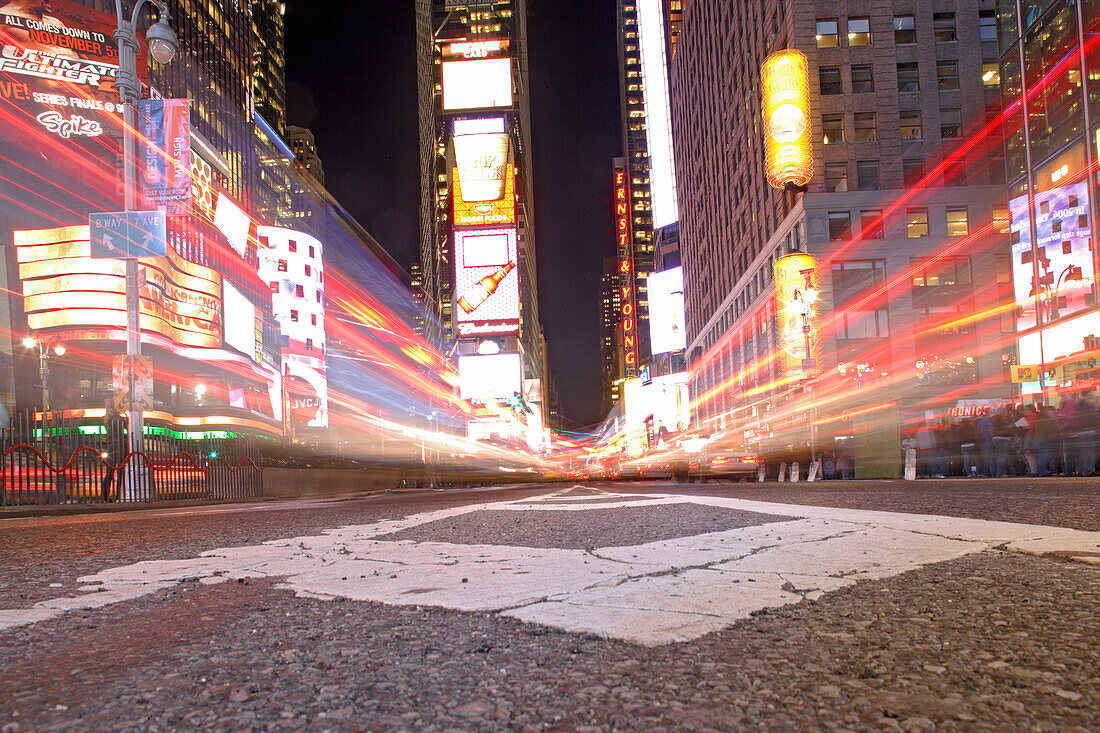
{"points": [[628, 321]]}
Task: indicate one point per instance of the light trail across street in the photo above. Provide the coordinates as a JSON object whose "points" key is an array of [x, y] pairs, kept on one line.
{"points": [[868, 606]]}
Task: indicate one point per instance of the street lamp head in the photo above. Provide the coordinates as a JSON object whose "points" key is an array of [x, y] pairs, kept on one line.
{"points": [[59, 349], [161, 39], [29, 342]]}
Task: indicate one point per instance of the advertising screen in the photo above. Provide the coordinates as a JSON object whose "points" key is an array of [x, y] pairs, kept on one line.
{"points": [[490, 377], [240, 321], [291, 263], [64, 287], [1065, 264], [482, 162], [477, 84], [795, 289], [485, 213], [666, 310], [57, 72], [486, 282]]}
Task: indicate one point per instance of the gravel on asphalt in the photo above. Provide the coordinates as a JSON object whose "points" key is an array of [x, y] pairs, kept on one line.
{"points": [[993, 641]]}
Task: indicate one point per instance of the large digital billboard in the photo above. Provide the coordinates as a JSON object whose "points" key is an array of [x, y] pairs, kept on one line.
{"points": [[482, 163], [486, 282], [1058, 273], [490, 377], [485, 213], [477, 84], [57, 72], [64, 287], [292, 265], [666, 311]]}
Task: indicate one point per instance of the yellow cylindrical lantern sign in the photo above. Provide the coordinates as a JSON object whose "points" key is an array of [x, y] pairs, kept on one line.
{"points": [[796, 285], [786, 88]]}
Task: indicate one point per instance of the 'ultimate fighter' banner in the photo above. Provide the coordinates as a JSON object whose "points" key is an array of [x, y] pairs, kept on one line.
{"points": [[57, 72]]}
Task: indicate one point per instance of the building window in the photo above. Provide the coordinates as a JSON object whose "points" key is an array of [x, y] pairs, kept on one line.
{"points": [[943, 27], [859, 31], [827, 36], [958, 225], [282, 265], [912, 170], [829, 77], [858, 316], [942, 272], [916, 223], [910, 124], [840, 226], [908, 79], [832, 128], [870, 223], [1002, 220], [836, 177], [311, 251], [300, 291], [987, 26], [865, 127], [947, 74], [950, 123], [863, 79], [274, 286], [991, 75], [292, 245], [905, 30], [294, 316], [867, 175]]}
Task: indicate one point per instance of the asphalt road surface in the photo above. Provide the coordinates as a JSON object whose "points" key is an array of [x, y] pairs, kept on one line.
{"points": [[938, 605]]}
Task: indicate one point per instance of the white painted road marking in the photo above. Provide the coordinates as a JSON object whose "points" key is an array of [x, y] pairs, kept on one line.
{"points": [[653, 593]]}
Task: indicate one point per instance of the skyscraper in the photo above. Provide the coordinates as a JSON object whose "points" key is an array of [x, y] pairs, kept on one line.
{"points": [[905, 205], [646, 29], [1052, 183], [476, 197], [269, 61]]}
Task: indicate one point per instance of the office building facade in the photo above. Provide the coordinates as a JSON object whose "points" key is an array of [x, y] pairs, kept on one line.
{"points": [[905, 219]]}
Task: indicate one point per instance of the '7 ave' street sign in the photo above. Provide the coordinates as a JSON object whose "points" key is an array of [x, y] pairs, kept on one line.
{"points": [[128, 234]]}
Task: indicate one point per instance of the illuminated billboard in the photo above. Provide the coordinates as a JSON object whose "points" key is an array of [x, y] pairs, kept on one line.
{"points": [[64, 287], [477, 84], [795, 309], [628, 304], [658, 116], [1057, 274], [292, 265], [666, 311], [490, 377], [485, 213], [486, 282], [482, 163], [57, 72], [785, 82]]}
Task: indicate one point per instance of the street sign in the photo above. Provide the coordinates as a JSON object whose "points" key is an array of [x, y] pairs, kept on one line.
{"points": [[127, 235], [809, 363]]}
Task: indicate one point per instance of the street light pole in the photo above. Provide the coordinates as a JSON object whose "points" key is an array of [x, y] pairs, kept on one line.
{"points": [[162, 46]]}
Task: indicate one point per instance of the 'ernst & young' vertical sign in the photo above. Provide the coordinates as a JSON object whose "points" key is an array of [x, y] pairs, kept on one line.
{"points": [[628, 322]]}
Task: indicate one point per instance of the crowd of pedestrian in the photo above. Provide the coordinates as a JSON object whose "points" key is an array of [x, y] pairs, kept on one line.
{"points": [[1021, 440]]}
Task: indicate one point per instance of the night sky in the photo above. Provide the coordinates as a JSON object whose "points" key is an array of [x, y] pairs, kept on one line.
{"points": [[351, 78]]}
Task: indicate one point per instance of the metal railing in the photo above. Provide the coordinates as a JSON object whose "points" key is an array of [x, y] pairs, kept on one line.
{"points": [[52, 459]]}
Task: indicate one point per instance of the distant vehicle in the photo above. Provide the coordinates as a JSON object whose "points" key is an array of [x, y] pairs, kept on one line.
{"points": [[727, 463]]}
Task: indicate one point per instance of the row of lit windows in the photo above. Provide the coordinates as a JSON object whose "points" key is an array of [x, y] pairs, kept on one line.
{"points": [[905, 29], [863, 81], [957, 219], [865, 127]]}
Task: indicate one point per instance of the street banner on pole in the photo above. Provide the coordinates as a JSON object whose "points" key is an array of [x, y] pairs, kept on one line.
{"points": [[166, 154]]}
